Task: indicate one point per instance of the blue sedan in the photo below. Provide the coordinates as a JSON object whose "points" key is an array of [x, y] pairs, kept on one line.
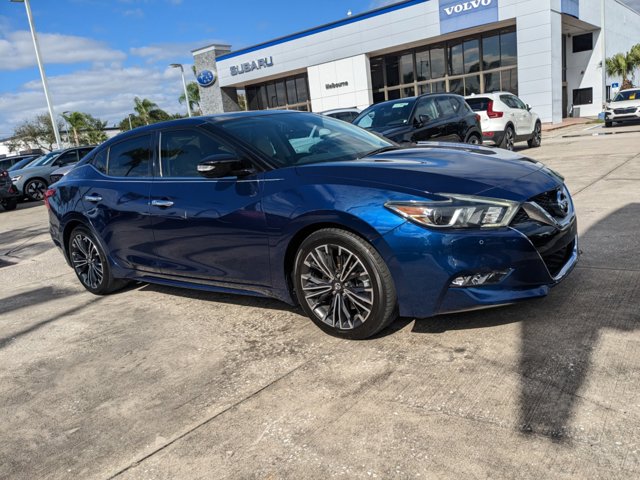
{"points": [[318, 213]]}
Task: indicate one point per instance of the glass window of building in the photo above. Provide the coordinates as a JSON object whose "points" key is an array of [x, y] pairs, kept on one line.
{"points": [[479, 63], [289, 93]]}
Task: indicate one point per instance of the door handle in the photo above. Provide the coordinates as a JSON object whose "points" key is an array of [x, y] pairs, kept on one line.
{"points": [[93, 198], [162, 203]]}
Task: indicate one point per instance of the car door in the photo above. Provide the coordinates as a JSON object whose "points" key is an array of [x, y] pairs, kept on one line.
{"points": [[517, 115], [428, 122], [526, 118], [116, 201], [206, 228]]}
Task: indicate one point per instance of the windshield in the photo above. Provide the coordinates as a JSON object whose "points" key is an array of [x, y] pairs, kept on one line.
{"points": [[44, 160], [303, 138], [26, 163], [387, 114], [627, 95]]}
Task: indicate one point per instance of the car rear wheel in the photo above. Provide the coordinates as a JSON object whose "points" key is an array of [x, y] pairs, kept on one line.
{"points": [[90, 263], [9, 204], [343, 284], [508, 139], [34, 189], [536, 139], [474, 139]]}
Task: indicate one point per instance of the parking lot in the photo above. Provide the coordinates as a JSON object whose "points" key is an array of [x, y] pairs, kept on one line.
{"points": [[156, 382]]}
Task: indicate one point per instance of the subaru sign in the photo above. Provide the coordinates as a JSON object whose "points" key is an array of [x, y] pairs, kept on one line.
{"points": [[460, 14], [206, 78]]}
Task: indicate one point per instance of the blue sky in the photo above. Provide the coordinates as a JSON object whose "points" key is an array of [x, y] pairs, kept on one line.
{"points": [[99, 54]]}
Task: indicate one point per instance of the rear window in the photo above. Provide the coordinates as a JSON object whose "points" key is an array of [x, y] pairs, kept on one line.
{"points": [[479, 104]]}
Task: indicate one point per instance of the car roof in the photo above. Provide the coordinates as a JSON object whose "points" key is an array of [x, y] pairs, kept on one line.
{"points": [[416, 97], [339, 110], [480, 95]]}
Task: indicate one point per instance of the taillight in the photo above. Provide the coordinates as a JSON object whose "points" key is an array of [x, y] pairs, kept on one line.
{"points": [[47, 195], [491, 113]]}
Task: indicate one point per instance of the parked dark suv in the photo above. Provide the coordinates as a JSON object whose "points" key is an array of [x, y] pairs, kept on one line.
{"points": [[8, 193], [437, 117]]}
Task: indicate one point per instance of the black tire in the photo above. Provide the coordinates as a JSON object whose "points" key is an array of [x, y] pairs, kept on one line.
{"points": [[90, 263], [35, 188], [536, 139], [10, 204], [608, 124], [508, 139], [474, 139], [351, 276]]}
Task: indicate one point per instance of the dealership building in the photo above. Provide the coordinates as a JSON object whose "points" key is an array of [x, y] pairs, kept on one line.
{"points": [[548, 52]]}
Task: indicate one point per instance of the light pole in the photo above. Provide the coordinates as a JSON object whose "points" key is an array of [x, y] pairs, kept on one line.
{"points": [[54, 125], [130, 126], [184, 85]]}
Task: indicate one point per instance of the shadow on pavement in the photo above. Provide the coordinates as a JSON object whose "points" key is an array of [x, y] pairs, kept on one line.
{"points": [[560, 332]]}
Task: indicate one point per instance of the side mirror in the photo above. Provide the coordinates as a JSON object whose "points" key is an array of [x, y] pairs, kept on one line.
{"points": [[528, 107], [421, 120], [222, 165]]}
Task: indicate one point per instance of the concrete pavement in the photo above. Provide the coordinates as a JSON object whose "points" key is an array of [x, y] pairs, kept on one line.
{"points": [[156, 383]]}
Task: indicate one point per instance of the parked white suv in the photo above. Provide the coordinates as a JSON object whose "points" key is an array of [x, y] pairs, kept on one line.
{"points": [[624, 107], [506, 119]]}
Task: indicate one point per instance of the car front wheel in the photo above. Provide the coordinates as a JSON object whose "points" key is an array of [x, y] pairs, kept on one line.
{"points": [[90, 263], [343, 284], [34, 189], [536, 139]]}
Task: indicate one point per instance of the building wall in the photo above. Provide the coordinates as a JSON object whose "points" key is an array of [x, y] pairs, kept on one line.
{"points": [[622, 27], [327, 81]]}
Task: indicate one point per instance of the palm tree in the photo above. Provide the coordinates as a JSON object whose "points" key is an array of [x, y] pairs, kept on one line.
{"points": [[194, 96], [76, 121], [146, 109], [623, 65]]}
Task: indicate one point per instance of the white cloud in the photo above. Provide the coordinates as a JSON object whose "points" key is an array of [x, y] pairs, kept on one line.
{"points": [[169, 51], [104, 92], [16, 50]]}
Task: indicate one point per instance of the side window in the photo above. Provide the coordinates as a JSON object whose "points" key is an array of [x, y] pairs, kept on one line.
{"points": [[67, 158], [508, 100], [83, 153], [130, 158], [100, 161], [182, 150], [427, 106], [446, 109], [519, 103]]}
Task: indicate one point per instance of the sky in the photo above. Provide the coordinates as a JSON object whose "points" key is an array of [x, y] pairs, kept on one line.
{"points": [[100, 54]]}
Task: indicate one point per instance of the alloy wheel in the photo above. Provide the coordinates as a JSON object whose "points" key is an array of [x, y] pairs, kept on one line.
{"points": [[86, 261], [537, 135], [337, 286], [509, 139], [35, 189]]}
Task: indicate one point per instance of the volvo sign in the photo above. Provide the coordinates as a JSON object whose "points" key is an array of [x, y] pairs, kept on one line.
{"points": [[251, 66], [460, 14]]}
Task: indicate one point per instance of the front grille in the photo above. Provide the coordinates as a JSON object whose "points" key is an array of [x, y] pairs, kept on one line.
{"points": [[623, 111], [556, 260]]}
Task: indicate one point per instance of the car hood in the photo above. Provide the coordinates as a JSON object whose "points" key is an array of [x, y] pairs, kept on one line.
{"points": [[445, 168], [625, 103], [30, 171], [390, 131]]}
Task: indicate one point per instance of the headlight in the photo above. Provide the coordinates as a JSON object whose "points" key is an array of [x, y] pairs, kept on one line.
{"points": [[16, 179], [458, 211]]}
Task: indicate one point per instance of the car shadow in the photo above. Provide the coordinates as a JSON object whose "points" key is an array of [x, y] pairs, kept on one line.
{"points": [[560, 332]]}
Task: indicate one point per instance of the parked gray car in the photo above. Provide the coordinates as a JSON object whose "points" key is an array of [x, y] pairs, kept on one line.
{"points": [[32, 181]]}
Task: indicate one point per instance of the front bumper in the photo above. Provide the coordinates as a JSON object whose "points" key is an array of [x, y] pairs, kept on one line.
{"points": [[425, 262], [623, 115]]}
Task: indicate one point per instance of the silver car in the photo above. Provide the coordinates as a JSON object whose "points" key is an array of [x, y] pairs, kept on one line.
{"points": [[32, 181]]}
